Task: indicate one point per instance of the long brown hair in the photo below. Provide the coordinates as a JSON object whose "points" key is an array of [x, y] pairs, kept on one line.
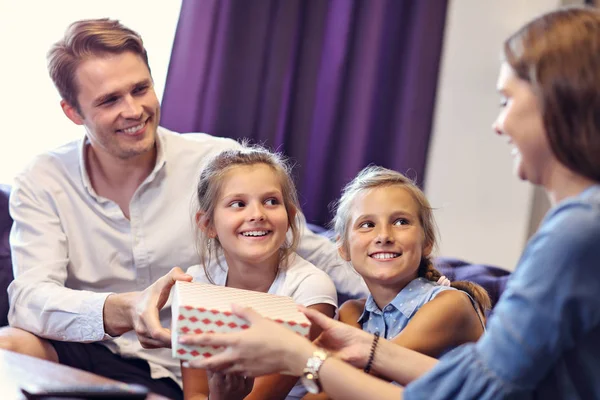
{"points": [[558, 53]]}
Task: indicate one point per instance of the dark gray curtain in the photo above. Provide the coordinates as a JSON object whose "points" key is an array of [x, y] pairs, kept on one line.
{"points": [[334, 84]]}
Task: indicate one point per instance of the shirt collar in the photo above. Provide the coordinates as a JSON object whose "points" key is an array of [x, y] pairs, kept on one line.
{"points": [[370, 307], [84, 142], [406, 301]]}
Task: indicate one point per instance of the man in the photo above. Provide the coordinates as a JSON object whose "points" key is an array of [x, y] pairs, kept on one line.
{"points": [[100, 222]]}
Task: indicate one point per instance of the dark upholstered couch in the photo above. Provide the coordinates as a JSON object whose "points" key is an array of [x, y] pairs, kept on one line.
{"points": [[6, 274]]}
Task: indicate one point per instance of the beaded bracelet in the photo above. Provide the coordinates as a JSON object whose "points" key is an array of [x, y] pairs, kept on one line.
{"points": [[372, 354]]}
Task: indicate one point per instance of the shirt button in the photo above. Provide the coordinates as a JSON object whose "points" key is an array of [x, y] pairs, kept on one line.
{"points": [[387, 308]]}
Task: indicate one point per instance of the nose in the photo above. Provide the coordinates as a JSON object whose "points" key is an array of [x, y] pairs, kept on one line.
{"points": [[384, 236], [256, 213], [132, 109], [496, 127]]}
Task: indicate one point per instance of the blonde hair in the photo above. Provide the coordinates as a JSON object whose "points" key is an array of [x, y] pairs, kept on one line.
{"points": [[209, 190], [85, 39], [373, 177]]}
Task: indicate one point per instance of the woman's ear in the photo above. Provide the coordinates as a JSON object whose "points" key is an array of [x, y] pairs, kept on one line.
{"points": [[204, 224]]}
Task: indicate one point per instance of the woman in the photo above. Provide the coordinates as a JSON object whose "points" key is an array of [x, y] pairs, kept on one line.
{"points": [[542, 338]]}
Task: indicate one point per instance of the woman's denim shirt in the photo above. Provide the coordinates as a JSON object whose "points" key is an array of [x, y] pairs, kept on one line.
{"points": [[543, 339]]}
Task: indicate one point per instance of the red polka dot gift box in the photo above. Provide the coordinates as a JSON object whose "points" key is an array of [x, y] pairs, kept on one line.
{"points": [[205, 308]]}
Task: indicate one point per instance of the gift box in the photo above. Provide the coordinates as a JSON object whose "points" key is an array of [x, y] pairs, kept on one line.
{"points": [[205, 308]]}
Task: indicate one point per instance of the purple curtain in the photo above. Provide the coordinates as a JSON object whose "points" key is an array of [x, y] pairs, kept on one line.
{"points": [[334, 84]]}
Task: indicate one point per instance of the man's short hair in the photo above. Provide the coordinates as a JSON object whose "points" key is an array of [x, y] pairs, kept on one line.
{"points": [[85, 39]]}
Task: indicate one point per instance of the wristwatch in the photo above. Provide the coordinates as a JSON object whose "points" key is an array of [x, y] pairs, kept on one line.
{"points": [[310, 374]]}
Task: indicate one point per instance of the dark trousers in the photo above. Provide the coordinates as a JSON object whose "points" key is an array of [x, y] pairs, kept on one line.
{"points": [[97, 359]]}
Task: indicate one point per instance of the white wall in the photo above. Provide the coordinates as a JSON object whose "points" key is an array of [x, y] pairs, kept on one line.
{"points": [[32, 120], [483, 210]]}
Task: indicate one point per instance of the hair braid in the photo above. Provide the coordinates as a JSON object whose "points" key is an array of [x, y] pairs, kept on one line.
{"points": [[477, 292]]}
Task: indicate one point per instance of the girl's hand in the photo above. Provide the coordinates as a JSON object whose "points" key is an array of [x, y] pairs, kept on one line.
{"points": [[265, 348], [228, 386], [341, 340]]}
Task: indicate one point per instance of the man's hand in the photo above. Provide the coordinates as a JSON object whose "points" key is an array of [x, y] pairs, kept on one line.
{"points": [[139, 311], [144, 313]]}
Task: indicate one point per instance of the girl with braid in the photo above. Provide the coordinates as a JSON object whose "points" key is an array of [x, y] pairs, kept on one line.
{"points": [[385, 228]]}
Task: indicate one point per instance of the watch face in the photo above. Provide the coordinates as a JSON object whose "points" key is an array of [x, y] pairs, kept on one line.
{"points": [[310, 384]]}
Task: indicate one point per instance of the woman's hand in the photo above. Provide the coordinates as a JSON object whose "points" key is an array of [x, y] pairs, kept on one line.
{"points": [[341, 340], [265, 348], [228, 386]]}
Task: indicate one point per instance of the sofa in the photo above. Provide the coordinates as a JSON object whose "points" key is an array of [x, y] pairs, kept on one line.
{"points": [[6, 274], [493, 279]]}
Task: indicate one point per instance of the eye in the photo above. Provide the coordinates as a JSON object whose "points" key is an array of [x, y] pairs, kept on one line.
{"points": [[141, 89], [109, 102], [401, 221], [366, 225], [236, 204], [272, 202]]}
